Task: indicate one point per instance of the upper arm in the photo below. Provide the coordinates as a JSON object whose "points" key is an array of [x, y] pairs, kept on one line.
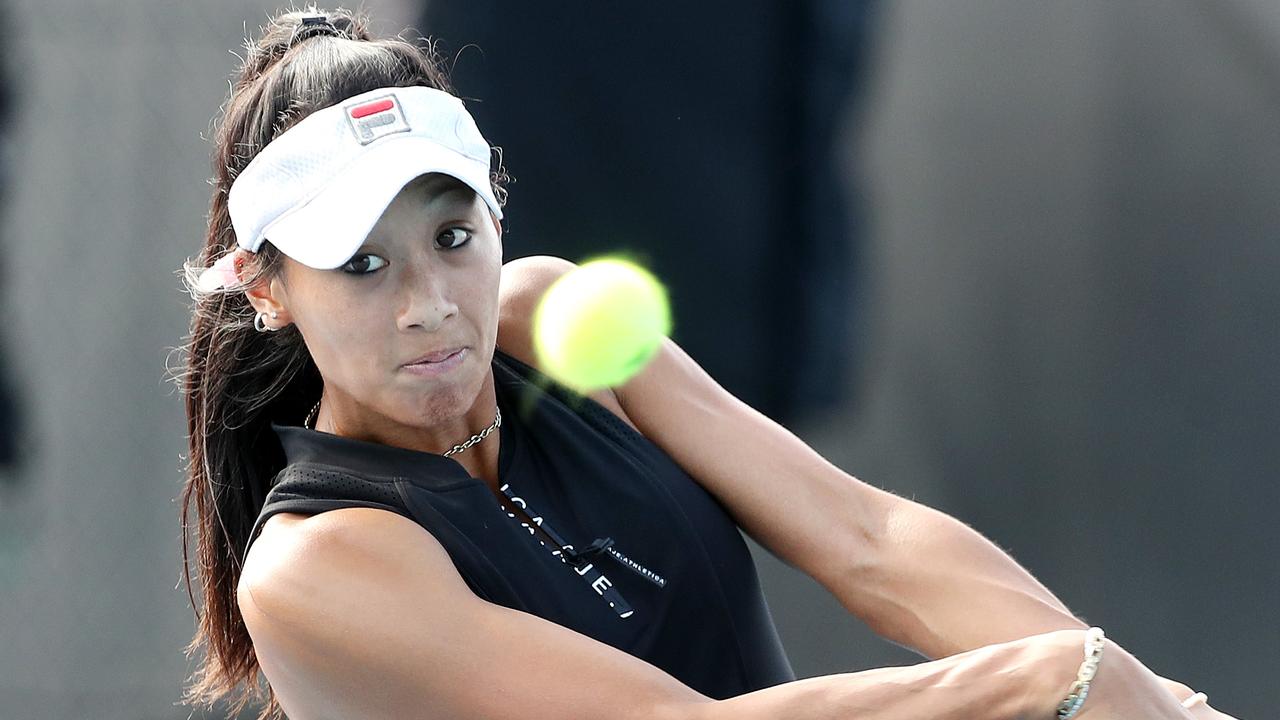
{"points": [[362, 614], [524, 281], [779, 490], [786, 496]]}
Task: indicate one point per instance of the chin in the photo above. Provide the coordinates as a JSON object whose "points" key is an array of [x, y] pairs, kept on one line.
{"points": [[445, 402], [449, 396]]}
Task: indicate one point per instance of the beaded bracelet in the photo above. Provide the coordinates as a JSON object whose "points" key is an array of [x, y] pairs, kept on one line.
{"points": [[1093, 642]]}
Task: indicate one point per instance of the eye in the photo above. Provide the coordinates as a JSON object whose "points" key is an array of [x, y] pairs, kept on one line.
{"points": [[363, 264], [456, 237]]}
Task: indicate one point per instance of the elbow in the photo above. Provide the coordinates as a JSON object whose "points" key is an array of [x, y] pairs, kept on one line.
{"points": [[862, 575], [884, 581]]}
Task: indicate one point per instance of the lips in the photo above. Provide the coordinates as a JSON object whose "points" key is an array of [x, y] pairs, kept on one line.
{"points": [[434, 357]]}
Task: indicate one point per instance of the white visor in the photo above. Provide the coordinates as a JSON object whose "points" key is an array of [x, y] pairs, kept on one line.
{"points": [[318, 189]]}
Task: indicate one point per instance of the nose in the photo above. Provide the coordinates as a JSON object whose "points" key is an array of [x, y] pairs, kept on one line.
{"points": [[425, 302]]}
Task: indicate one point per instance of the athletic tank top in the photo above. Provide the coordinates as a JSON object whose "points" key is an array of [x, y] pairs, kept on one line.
{"points": [[640, 557]]}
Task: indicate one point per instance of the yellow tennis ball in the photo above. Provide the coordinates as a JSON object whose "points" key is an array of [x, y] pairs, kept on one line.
{"points": [[600, 323]]}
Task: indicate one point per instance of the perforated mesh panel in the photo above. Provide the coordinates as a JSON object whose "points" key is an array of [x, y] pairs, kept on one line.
{"points": [[310, 481]]}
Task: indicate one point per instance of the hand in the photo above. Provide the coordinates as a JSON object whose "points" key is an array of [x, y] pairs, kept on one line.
{"points": [[1201, 710], [1125, 685], [1123, 689]]}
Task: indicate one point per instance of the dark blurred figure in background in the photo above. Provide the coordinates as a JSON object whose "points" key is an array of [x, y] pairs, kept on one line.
{"points": [[8, 400], [700, 137]]}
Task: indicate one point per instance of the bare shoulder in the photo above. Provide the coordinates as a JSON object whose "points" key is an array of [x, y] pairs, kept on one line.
{"points": [[322, 594], [297, 556], [524, 280]]}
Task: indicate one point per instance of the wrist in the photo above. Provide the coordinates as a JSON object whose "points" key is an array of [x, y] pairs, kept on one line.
{"points": [[1054, 667], [1094, 641]]}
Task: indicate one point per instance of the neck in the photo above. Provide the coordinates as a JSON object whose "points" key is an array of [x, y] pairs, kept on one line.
{"points": [[480, 460]]}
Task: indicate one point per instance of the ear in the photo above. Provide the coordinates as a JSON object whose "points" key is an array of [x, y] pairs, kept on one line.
{"points": [[270, 297]]}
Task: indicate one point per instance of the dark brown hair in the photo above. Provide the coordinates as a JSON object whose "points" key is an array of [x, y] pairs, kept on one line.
{"points": [[236, 381]]}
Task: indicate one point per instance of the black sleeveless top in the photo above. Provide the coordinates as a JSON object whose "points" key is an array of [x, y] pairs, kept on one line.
{"points": [[644, 559]]}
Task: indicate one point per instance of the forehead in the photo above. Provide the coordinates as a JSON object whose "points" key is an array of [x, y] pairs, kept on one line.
{"points": [[438, 187]]}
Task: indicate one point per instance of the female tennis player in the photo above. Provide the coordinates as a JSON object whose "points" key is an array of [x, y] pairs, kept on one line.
{"points": [[400, 516]]}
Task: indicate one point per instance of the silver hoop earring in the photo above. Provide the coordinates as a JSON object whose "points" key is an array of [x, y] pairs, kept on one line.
{"points": [[260, 323]]}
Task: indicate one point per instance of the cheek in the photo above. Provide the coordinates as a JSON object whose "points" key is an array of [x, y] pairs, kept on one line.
{"points": [[344, 344]]}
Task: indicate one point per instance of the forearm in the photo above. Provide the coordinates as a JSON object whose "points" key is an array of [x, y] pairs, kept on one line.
{"points": [[935, 585], [1020, 680]]}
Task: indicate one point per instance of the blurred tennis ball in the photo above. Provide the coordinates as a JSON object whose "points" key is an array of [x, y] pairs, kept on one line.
{"points": [[600, 323]]}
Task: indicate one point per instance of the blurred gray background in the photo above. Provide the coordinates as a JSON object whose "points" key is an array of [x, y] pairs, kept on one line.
{"points": [[1069, 287]]}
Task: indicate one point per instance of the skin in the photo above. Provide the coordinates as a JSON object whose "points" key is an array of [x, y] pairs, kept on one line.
{"points": [[421, 296], [405, 293]]}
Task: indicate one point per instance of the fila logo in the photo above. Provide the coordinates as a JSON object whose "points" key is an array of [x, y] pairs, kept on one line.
{"points": [[376, 118]]}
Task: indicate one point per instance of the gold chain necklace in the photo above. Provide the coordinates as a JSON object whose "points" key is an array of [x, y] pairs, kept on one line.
{"points": [[309, 423]]}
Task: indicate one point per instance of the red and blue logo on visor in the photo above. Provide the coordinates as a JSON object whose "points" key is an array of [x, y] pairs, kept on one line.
{"points": [[376, 118]]}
